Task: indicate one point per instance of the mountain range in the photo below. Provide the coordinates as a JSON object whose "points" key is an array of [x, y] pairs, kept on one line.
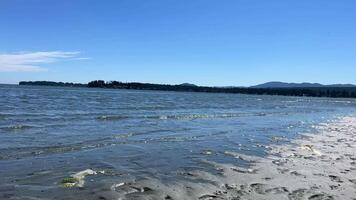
{"points": [[277, 84]]}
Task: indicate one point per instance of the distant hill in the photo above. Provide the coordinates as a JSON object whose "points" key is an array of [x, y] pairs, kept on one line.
{"points": [[188, 84], [276, 84]]}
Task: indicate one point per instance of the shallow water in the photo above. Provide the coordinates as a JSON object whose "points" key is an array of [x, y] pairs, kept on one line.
{"points": [[49, 133]]}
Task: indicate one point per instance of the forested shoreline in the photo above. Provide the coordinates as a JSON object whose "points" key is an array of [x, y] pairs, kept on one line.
{"points": [[336, 92]]}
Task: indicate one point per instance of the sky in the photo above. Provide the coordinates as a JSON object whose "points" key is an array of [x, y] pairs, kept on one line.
{"points": [[204, 42]]}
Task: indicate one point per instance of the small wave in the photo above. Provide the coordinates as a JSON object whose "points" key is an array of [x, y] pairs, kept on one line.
{"points": [[180, 117], [131, 134], [16, 127], [125, 135], [173, 139], [346, 102], [193, 116], [23, 152], [112, 117], [207, 116]]}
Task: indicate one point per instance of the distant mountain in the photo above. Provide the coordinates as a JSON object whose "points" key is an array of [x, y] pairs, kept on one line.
{"points": [[188, 84], [340, 85], [276, 84]]}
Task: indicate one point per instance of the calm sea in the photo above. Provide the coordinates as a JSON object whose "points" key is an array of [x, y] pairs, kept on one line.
{"points": [[49, 133]]}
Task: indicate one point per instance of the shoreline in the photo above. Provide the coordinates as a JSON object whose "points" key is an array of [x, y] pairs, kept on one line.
{"points": [[321, 166], [321, 91]]}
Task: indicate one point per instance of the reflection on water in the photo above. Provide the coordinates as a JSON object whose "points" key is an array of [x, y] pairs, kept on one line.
{"points": [[48, 133]]}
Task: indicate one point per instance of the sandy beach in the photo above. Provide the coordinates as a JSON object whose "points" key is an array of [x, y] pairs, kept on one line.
{"points": [[319, 166]]}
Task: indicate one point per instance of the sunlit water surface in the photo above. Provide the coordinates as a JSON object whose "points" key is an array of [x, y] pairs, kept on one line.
{"points": [[49, 133]]}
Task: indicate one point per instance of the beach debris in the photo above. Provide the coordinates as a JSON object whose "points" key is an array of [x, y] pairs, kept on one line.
{"points": [[278, 138], [230, 186], [77, 179], [311, 148], [241, 156], [259, 188], [279, 162], [244, 170], [321, 196], [208, 152], [117, 185], [129, 188], [208, 196], [69, 182], [335, 178]]}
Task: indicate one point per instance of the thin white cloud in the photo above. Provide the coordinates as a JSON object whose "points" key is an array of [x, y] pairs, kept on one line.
{"points": [[31, 62], [81, 58]]}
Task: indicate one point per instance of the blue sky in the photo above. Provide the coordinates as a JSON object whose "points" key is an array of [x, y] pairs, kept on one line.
{"points": [[206, 42]]}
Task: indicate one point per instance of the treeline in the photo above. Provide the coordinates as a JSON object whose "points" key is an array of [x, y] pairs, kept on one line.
{"points": [[345, 92], [144, 86], [52, 83]]}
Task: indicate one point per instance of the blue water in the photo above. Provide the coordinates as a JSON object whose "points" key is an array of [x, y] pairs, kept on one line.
{"points": [[48, 133]]}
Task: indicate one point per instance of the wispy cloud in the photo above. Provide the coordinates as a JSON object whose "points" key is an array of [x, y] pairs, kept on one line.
{"points": [[31, 61]]}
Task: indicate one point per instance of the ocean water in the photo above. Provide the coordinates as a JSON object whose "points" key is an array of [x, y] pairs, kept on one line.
{"points": [[50, 133]]}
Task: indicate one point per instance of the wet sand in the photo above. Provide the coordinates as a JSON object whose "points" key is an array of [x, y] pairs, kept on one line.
{"points": [[319, 166]]}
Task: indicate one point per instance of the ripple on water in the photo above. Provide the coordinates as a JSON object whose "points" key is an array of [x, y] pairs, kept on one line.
{"points": [[179, 116], [24, 152], [111, 117], [17, 127]]}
